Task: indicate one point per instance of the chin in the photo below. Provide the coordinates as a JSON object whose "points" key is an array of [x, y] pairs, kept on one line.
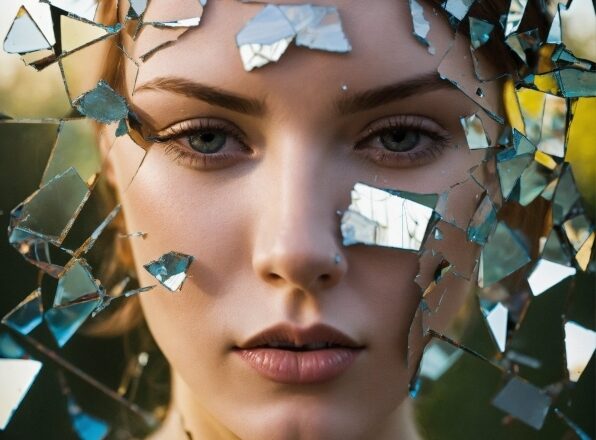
{"points": [[300, 420]]}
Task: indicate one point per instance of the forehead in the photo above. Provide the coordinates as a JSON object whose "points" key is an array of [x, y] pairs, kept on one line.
{"points": [[383, 47]]}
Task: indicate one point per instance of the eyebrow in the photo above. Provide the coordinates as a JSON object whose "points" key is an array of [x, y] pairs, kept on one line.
{"points": [[352, 103], [380, 96], [208, 94]]}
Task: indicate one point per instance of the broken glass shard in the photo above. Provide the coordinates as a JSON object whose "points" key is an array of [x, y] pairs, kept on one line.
{"points": [[532, 182], [83, 8], [438, 357], [547, 274], [479, 32], [138, 6], [565, 197], [553, 130], [522, 42], [75, 147], [9, 348], [582, 257], [16, 377], [502, 255], [575, 83], [483, 222], [554, 250], [578, 229], [102, 104], [515, 15], [266, 36], [76, 34], [387, 218], [76, 284], [580, 344], [85, 425], [421, 25], [24, 35], [26, 315], [523, 401], [170, 269], [64, 321], [555, 35], [474, 130], [50, 211], [90, 241], [458, 8], [496, 318]]}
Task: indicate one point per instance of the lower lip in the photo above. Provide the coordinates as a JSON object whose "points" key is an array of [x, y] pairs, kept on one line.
{"points": [[299, 367]]}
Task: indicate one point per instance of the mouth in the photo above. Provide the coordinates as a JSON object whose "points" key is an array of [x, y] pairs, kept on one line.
{"points": [[292, 355]]}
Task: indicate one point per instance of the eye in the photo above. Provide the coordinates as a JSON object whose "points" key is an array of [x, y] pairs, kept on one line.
{"points": [[204, 144], [403, 141]]}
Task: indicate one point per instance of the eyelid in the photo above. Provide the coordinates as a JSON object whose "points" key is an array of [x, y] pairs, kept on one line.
{"points": [[188, 127], [414, 122]]}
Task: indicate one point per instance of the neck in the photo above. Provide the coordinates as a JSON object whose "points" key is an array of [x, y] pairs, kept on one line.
{"points": [[188, 420]]}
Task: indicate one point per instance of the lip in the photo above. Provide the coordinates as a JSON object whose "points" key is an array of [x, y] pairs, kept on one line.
{"points": [[289, 366]]}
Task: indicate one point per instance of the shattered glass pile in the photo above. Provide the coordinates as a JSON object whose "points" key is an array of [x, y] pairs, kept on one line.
{"points": [[503, 354]]}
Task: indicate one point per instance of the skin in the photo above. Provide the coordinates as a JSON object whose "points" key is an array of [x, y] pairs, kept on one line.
{"points": [[264, 229]]}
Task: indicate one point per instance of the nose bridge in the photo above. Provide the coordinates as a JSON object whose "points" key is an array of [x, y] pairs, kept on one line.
{"points": [[298, 240]]}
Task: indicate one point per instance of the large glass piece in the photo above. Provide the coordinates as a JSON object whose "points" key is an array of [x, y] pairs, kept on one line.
{"points": [[16, 377], [76, 284], [64, 321], [385, 218], [523, 401], [267, 35], [170, 269], [580, 343], [502, 255]]}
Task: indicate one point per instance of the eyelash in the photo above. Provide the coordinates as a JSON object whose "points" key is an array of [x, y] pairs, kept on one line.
{"points": [[186, 156]]}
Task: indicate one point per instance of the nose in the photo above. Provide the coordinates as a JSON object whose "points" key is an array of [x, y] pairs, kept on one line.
{"points": [[298, 244]]}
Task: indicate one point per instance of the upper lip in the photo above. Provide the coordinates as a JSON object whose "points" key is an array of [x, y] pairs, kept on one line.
{"points": [[286, 333]]}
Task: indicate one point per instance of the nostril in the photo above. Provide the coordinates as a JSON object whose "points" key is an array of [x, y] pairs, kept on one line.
{"points": [[325, 277], [273, 276]]}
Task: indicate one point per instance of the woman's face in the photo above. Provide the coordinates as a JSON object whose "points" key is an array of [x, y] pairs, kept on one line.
{"points": [[254, 193]]}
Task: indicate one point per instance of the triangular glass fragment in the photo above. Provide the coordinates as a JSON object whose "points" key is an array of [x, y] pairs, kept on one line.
{"points": [[502, 255], [496, 318], [547, 274], [24, 35], [483, 222], [532, 182], [16, 377], [9, 348], [76, 33], [580, 344], [85, 425], [83, 8], [76, 284], [578, 229], [170, 269], [582, 257], [479, 32], [554, 250], [565, 197], [523, 401], [26, 315], [63, 322], [515, 15]]}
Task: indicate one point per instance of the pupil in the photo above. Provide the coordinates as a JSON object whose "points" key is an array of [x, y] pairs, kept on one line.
{"points": [[400, 140], [208, 142]]}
